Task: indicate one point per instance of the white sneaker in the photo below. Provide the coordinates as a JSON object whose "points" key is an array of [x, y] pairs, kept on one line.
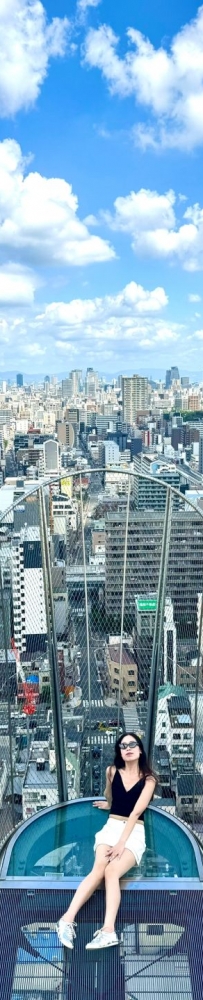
{"points": [[66, 932], [102, 939]]}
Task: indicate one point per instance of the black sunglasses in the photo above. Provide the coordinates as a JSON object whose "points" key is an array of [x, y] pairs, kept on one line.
{"points": [[125, 746]]}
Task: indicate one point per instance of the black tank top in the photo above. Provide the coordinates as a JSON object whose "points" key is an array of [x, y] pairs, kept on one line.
{"points": [[123, 802]]}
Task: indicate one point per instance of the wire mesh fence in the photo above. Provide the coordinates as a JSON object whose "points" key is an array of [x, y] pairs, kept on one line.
{"points": [[101, 631]]}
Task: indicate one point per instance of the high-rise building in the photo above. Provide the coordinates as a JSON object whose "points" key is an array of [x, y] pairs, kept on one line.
{"points": [[91, 383], [148, 491], [19, 380], [67, 388], [29, 615], [134, 397], [50, 458], [46, 384], [76, 379], [111, 452], [66, 433], [145, 534], [168, 379], [172, 375]]}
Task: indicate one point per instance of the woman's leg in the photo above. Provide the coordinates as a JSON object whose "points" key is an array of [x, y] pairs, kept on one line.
{"points": [[89, 884], [113, 873]]}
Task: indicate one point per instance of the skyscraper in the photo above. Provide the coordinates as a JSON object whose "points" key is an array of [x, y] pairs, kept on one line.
{"points": [[91, 383], [29, 615], [145, 533], [134, 397], [172, 374], [19, 380]]}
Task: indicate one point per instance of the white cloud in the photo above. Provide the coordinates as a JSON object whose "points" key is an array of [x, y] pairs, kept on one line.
{"points": [[27, 43], [143, 209], [84, 4], [113, 316], [155, 231], [39, 221], [17, 286], [199, 334], [32, 350], [169, 83], [194, 298], [99, 331]]}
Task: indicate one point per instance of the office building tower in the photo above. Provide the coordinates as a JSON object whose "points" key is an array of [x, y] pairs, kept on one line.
{"points": [[134, 397], [76, 378], [29, 615], [19, 380], [50, 458], [174, 373], [145, 534], [66, 433], [111, 453], [67, 388], [185, 382], [168, 379], [91, 383], [148, 492], [46, 384]]}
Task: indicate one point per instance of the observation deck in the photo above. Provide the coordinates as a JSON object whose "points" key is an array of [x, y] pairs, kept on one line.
{"points": [[93, 645]]}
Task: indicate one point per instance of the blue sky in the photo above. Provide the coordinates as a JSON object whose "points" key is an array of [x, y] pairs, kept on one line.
{"points": [[101, 194]]}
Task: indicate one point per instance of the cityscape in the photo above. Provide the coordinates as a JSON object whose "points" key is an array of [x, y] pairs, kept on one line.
{"points": [[101, 499], [96, 448]]}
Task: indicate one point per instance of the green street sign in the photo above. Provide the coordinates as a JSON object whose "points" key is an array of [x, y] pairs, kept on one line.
{"points": [[148, 605]]}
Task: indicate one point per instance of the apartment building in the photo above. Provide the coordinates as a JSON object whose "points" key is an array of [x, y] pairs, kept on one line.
{"points": [[128, 683], [29, 615], [135, 394], [147, 489], [174, 728], [64, 513]]}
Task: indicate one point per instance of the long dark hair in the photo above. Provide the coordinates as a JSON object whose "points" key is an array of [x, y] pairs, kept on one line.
{"points": [[144, 766]]}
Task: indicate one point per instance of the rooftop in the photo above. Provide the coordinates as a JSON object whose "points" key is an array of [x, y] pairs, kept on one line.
{"points": [[127, 655], [41, 778]]}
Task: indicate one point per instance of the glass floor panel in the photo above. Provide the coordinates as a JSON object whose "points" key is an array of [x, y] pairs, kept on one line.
{"points": [[159, 953], [59, 843]]}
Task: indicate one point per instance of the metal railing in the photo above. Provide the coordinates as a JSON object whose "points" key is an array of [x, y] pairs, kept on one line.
{"points": [[85, 655]]}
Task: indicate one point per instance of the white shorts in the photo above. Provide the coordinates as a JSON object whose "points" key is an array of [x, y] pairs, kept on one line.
{"points": [[112, 831]]}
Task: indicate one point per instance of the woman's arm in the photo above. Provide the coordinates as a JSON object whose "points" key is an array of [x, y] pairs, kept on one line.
{"points": [[107, 792], [108, 789]]}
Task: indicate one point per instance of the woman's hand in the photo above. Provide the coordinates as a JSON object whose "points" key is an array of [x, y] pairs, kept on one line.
{"points": [[101, 805], [115, 852]]}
